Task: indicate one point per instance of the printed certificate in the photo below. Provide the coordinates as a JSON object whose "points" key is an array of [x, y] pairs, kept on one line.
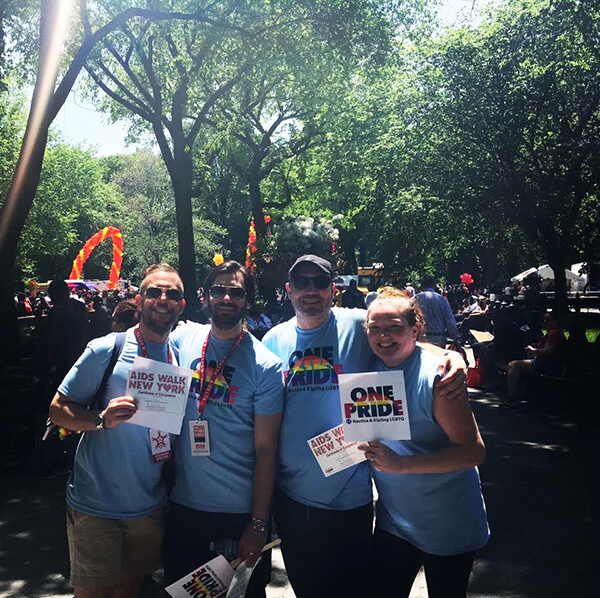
{"points": [[161, 391], [333, 453]]}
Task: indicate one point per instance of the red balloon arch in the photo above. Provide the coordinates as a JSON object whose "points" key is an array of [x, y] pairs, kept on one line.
{"points": [[108, 232]]}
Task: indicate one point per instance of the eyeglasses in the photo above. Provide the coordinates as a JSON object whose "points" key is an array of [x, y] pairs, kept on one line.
{"points": [[303, 282], [156, 293], [217, 291]]}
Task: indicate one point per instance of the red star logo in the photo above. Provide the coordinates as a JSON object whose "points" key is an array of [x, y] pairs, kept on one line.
{"points": [[159, 440]]}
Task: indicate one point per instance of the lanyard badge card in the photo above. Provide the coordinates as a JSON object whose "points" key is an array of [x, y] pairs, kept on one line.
{"points": [[199, 438]]}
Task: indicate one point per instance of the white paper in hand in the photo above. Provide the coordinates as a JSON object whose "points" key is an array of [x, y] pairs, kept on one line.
{"points": [[211, 579], [161, 391], [374, 406]]}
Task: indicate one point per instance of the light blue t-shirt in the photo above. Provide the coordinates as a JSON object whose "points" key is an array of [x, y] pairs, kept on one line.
{"points": [[114, 474], [312, 360], [442, 513], [251, 383]]}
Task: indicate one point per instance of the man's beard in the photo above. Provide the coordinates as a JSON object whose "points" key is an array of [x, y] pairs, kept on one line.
{"points": [[161, 326], [228, 319], [311, 310]]}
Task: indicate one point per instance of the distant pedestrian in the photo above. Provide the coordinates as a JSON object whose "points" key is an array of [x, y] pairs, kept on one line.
{"points": [[439, 319], [125, 315], [549, 357], [352, 297]]}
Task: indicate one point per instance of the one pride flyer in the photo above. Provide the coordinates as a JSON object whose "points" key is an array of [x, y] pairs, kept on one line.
{"points": [[374, 406], [333, 453], [211, 580]]}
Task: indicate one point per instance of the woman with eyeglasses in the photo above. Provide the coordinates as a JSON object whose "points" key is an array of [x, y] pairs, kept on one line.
{"points": [[430, 509], [549, 357]]}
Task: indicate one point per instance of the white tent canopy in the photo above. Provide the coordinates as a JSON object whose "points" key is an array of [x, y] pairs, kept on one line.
{"points": [[545, 272]]}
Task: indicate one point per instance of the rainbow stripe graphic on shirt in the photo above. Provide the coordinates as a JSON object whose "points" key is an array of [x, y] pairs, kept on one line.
{"points": [[312, 372], [221, 392]]}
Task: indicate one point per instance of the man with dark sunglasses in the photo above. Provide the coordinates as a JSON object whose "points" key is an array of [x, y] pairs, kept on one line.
{"points": [[226, 455], [116, 493], [322, 521]]}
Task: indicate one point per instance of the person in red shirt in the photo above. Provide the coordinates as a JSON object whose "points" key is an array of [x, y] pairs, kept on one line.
{"points": [[549, 357]]}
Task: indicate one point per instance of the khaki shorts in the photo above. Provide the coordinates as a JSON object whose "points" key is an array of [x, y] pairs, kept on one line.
{"points": [[101, 549]]}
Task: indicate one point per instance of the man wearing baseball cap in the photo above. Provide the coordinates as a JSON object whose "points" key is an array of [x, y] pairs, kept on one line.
{"points": [[322, 521]]}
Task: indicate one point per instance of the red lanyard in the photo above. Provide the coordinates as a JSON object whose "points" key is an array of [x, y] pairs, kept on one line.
{"points": [[142, 344], [217, 371]]}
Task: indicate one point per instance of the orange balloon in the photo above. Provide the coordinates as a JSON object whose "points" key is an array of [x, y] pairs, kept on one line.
{"points": [[110, 232]]}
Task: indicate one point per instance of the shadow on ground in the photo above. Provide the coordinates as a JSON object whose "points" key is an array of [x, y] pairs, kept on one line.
{"points": [[33, 545], [537, 482]]}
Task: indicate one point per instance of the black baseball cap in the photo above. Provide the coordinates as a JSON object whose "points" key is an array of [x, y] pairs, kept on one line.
{"points": [[320, 262]]}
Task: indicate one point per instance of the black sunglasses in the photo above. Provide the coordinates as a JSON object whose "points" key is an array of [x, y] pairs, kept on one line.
{"points": [[321, 282], [156, 293], [217, 291]]}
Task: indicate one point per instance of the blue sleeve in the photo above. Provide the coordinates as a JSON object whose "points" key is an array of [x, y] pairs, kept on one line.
{"points": [[83, 380], [268, 398], [176, 337], [271, 340]]}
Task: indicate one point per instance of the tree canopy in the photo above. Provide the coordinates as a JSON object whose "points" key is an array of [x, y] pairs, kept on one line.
{"points": [[472, 147]]}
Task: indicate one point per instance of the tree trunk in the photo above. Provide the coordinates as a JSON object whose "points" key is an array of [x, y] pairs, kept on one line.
{"points": [[181, 171], [347, 251], [256, 197], [21, 192]]}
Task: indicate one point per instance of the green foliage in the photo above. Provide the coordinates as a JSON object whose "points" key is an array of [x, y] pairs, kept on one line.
{"points": [[209, 239], [72, 203], [146, 215], [146, 211], [12, 125], [19, 23], [517, 120], [255, 71], [221, 195], [474, 149]]}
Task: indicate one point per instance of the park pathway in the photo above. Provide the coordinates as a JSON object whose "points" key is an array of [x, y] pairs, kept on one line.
{"points": [[537, 482]]}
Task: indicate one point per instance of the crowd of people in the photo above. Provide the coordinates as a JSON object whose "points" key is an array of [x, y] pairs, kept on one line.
{"points": [[519, 343], [522, 343], [262, 387], [132, 504]]}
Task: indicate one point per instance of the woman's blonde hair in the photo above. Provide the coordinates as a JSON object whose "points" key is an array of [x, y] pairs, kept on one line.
{"points": [[409, 306]]}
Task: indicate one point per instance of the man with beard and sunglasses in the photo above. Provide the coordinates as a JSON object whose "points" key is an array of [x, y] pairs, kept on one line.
{"points": [[226, 455], [116, 493], [324, 521]]}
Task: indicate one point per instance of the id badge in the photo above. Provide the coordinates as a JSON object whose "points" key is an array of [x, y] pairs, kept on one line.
{"points": [[160, 443], [199, 439]]}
